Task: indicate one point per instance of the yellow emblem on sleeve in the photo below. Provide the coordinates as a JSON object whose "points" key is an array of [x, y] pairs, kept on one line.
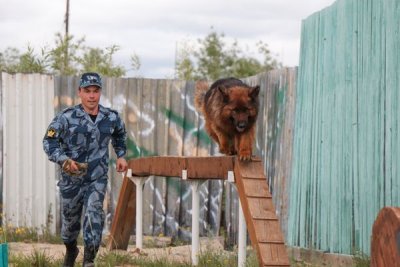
{"points": [[51, 133]]}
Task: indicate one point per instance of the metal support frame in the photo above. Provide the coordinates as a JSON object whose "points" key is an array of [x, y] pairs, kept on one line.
{"points": [[242, 242], [242, 235], [195, 186], [139, 182]]}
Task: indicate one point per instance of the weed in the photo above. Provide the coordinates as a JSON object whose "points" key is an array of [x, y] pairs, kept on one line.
{"points": [[113, 259], [36, 259], [217, 259], [28, 234], [360, 259], [252, 260], [10, 233], [176, 242]]}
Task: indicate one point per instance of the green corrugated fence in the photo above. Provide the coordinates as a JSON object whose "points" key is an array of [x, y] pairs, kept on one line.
{"points": [[347, 145]]}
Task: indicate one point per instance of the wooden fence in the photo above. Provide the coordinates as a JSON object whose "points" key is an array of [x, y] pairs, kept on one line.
{"points": [[347, 146], [161, 120]]}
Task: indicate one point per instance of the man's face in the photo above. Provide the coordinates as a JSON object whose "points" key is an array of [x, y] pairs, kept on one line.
{"points": [[90, 97]]}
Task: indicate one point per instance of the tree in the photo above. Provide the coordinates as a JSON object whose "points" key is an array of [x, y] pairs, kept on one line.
{"points": [[68, 57], [184, 66], [12, 61], [32, 63], [9, 60], [269, 62], [215, 59], [211, 57], [64, 56], [101, 61], [245, 67], [135, 63]]}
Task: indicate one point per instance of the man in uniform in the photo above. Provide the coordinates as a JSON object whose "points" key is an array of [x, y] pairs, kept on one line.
{"points": [[77, 139]]}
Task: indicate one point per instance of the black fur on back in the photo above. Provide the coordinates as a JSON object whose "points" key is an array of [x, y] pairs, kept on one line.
{"points": [[226, 83]]}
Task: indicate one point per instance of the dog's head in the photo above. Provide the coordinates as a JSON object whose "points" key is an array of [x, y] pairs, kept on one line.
{"points": [[241, 105]]}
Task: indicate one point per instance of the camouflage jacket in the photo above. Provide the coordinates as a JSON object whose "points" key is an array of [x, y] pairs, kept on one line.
{"points": [[73, 134]]}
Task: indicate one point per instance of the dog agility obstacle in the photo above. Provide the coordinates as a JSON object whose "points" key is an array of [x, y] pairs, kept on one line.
{"points": [[255, 199]]}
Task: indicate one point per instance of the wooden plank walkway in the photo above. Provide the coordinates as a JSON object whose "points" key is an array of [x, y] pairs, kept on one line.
{"points": [[259, 211], [262, 222]]}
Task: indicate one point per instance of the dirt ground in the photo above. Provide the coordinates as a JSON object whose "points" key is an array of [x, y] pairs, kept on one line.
{"points": [[177, 253], [160, 248]]}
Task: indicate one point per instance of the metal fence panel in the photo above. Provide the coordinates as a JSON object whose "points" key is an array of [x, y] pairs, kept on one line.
{"points": [[29, 192]]}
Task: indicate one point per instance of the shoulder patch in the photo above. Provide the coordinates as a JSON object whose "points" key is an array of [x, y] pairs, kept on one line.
{"points": [[51, 133]]}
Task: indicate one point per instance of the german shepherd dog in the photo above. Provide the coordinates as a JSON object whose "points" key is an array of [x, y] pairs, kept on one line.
{"points": [[230, 109]]}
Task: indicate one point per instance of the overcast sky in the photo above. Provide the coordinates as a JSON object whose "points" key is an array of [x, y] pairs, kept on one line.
{"points": [[153, 29]]}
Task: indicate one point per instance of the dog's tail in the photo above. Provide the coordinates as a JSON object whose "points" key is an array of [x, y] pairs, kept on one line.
{"points": [[199, 94]]}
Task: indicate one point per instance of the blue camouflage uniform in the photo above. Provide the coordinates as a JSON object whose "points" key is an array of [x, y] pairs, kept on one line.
{"points": [[73, 134]]}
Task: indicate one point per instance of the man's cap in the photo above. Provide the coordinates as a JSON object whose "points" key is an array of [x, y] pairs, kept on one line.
{"points": [[90, 78]]}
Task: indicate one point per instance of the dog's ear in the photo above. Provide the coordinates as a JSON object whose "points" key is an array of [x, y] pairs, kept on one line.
{"points": [[224, 92], [254, 91]]}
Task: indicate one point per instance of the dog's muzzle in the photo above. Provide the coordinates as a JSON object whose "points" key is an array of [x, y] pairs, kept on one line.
{"points": [[241, 126]]}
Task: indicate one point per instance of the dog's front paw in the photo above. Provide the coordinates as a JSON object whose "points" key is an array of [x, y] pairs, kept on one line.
{"points": [[227, 151], [224, 151], [245, 155]]}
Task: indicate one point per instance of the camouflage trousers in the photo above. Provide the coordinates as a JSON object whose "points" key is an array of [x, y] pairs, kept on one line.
{"points": [[79, 195]]}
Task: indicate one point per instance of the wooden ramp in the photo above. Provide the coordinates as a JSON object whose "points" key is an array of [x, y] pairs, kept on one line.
{"points": [[262, 223]]}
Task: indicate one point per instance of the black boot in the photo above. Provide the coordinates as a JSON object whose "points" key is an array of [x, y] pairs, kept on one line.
{"points": [[71, 254], [88, 256]]}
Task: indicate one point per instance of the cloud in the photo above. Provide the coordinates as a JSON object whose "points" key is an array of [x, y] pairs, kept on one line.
{"points": [[152, 29]]}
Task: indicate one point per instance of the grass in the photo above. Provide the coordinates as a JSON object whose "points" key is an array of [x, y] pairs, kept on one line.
{"points": [[206, 259], [26, 234], [209, 258], [10, 233], [36, 259], [360, 259], [43, 259]]}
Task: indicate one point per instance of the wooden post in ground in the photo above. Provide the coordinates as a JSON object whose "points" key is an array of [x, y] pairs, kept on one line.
{"points": [[385, 242], [124, 217]]}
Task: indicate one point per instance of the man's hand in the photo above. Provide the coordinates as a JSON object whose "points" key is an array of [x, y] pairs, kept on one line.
{"points": [[73, 168], [122, 165]]}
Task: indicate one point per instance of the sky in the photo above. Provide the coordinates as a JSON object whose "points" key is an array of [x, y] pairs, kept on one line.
{"points": [[155, 29]]}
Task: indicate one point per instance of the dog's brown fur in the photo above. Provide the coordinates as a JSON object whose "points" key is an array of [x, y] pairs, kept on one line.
{"points": [[230, 109]]}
